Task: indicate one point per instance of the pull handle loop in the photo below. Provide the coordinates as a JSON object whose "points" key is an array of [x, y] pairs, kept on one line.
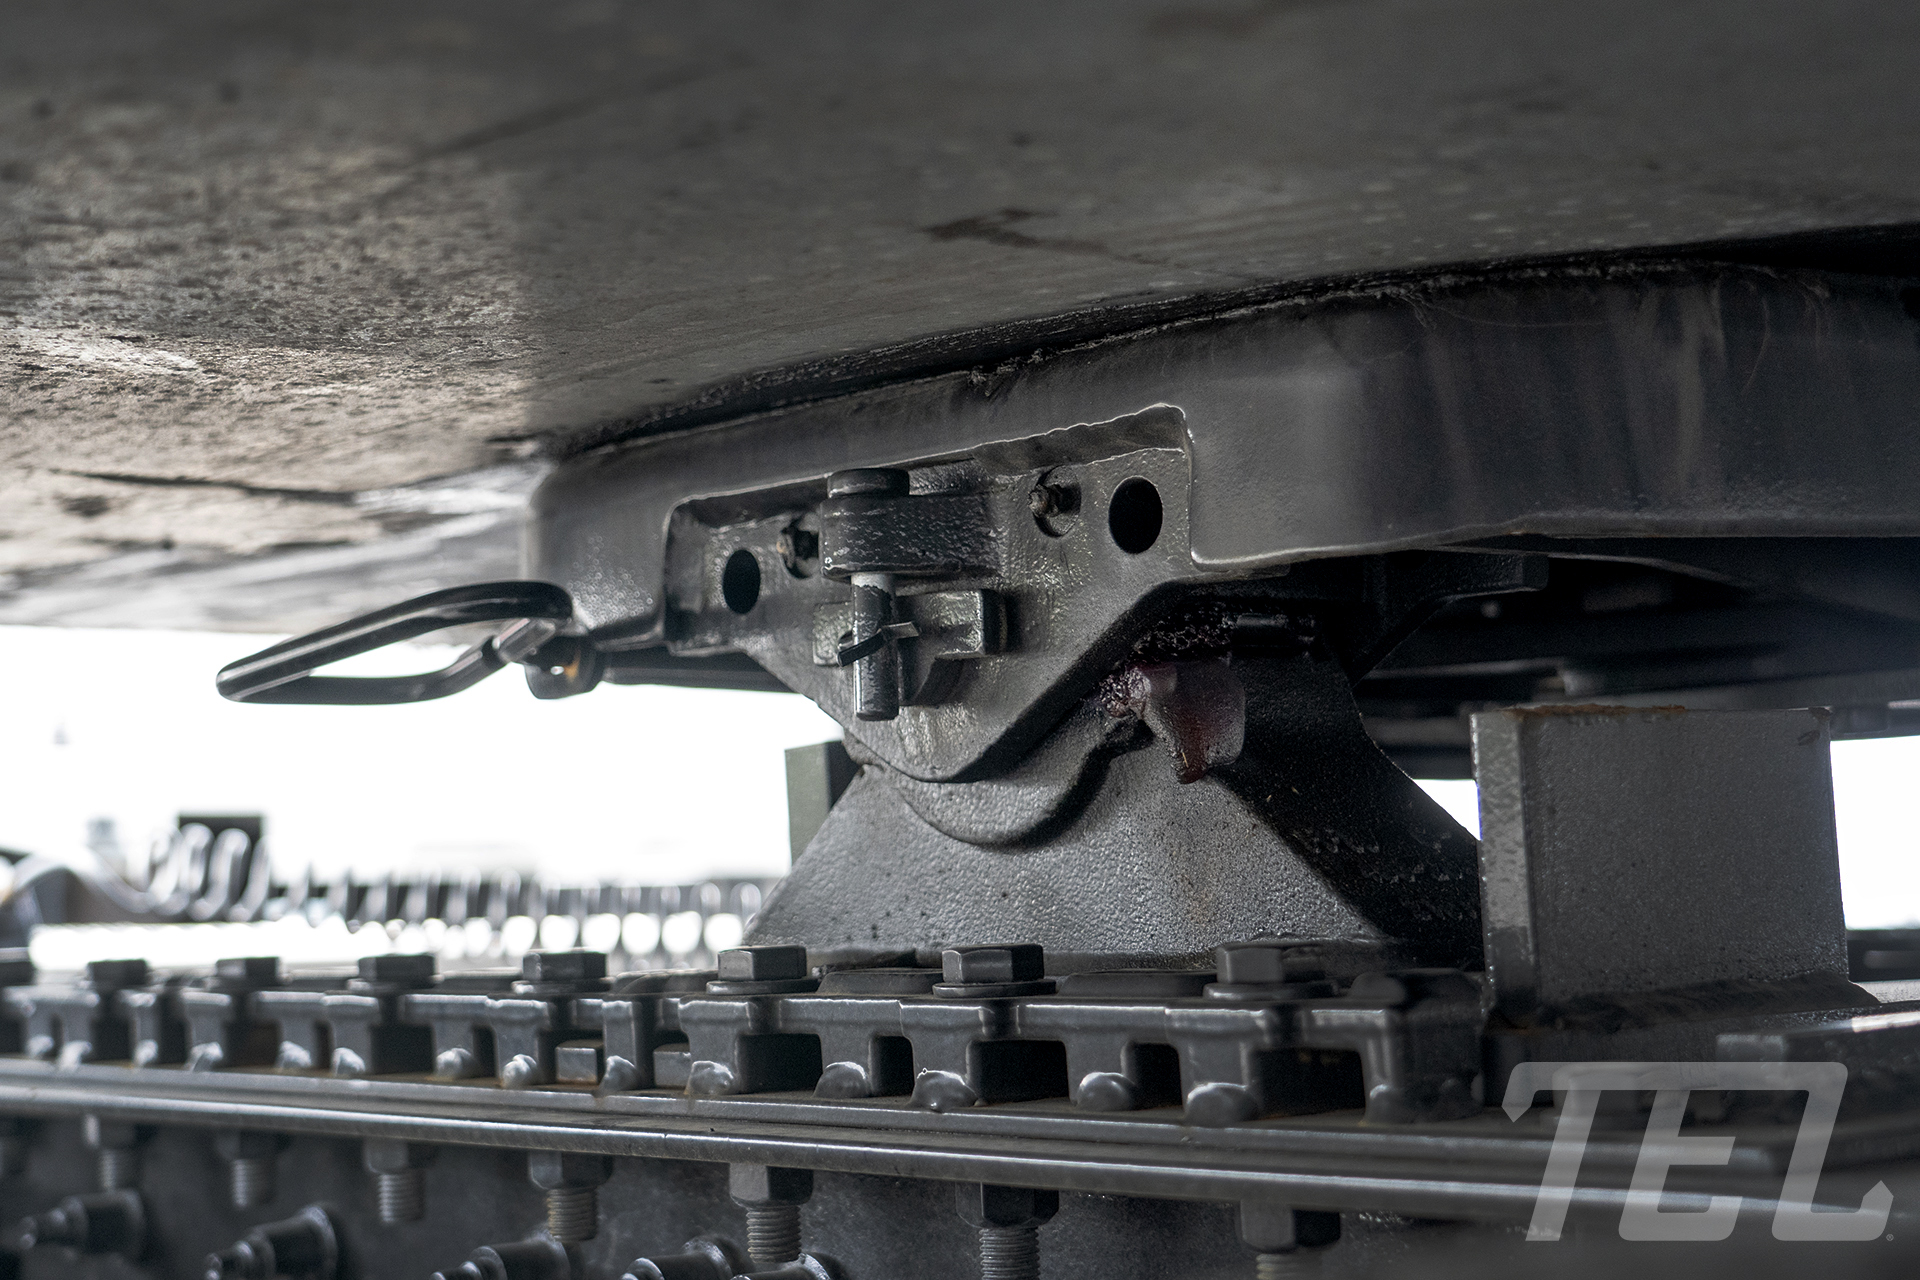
{"points": [[283, 674]]}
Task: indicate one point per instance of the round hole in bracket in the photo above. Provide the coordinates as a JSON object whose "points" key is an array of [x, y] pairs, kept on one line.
{"points": [[1134, 516], [740, 581]]}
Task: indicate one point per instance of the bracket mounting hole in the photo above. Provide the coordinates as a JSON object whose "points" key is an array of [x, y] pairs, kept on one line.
{"points": [[1134, 516], [740, 581]]}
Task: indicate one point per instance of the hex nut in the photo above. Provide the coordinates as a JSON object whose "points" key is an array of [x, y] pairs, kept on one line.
{"points": [[247, 1144], [763, 964], [1268, 960], [109, 1135], [1010, 962], [412, 970], [985, 1205], [1275, 1228], [563, 1170], [754, 1185], [564, 966], [392, 1155]]}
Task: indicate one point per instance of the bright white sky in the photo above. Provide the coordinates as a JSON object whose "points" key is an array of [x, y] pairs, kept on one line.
{"points": [[643, 784], [639, 783]]}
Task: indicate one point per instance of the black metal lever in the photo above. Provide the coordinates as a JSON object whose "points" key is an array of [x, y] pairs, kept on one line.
{"points": [[284, 673]]}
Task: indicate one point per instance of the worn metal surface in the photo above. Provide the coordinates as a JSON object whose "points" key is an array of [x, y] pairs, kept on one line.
{"points": [[1196, 868], [265, 259], [1673, 400], [669, 1183], [1627, 851], [1485, 1168], [1101, 852]]}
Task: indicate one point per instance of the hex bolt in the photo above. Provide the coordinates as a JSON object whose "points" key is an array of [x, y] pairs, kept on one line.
{"points": [[401, 1179], [1286, 1242], [536, 1259], [772, 1197], [1268, 961], [547, 968], [303, 1247], [116, 1149], [246, 971], [979, 965], [762, 964], [704, 1258], [804, 1267], [1054, 503], [797, 547], [1009, 1220], [572, 1183], [250, 1157], [400, 970], [105, 1222], [114, 975], [1053, 500]]}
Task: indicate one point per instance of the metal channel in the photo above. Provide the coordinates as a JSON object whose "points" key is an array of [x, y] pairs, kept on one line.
{"points": [[1478, 1174]]}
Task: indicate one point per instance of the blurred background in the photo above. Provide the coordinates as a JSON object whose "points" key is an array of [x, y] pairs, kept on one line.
{"points": [[641, 820], [114, 737]]}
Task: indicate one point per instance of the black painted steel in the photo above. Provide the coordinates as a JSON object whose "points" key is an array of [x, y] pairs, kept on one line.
{"points": [[284, 672]]}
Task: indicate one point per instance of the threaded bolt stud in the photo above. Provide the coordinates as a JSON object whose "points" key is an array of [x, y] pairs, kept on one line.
{"points": [[119, 1168], [773, 1235], [1009, 1253], [573, 1213], [1292, 1265], [250, 1179], [403, 1196]]}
